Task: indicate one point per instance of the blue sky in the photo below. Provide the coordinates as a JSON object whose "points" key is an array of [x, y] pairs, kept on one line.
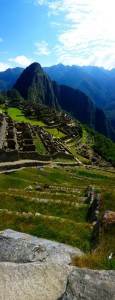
{"points": [[71, 32]]}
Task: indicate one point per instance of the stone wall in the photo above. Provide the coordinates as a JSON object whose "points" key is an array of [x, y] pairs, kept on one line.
{"points": [[7, 156], [34, 156], [62, 155], [17, 142]]}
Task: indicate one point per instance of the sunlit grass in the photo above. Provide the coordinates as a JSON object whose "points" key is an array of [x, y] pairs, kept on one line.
{"points": [[84, 136], [99, 259], [39, 145], [63, 212], [55, 132], [68, 232], [18, 115]]}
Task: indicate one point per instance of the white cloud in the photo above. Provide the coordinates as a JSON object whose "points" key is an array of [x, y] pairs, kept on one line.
{"points": [[55, 24], [89, 37], [21, 60], [40, 2], [41, 48], [1, 40], [63, 5], [4, 66]]}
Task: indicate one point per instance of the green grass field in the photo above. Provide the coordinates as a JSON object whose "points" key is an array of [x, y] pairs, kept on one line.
{"points": [[17, 115], [55, 132], [57, 210], [39, 145]]}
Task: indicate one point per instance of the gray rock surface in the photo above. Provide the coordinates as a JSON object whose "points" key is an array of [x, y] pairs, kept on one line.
{"points": [[106, 222], [84, 284], [32, 281], [22, 248], [94, 209], [33, 268]]}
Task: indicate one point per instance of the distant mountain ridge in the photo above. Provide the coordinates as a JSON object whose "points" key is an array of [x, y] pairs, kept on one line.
{"points": [[9, 77], [97, 83], [35, 85], [79, 105]]}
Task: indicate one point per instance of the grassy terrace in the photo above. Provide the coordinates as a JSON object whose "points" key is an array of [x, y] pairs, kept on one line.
{"points": [[39, 145], [55, 132], [17, 115], [57, 210]]}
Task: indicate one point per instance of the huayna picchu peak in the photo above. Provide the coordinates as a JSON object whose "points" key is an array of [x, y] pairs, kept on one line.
{"points": [[35, 85]]}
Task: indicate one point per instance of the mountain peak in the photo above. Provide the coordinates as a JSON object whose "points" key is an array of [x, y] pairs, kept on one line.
{"points": [[35, 85], [28, 78], [34, 66]]}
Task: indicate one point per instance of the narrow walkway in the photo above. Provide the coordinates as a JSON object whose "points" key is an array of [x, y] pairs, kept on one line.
{"points": [[15, 165]]}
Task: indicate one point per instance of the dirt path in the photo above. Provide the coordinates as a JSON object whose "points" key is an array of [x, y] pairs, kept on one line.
{"points": [[15, 165]]}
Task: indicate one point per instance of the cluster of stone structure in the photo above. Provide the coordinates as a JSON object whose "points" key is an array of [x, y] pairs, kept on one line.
{"points": [[51, 145], [17, 142]]}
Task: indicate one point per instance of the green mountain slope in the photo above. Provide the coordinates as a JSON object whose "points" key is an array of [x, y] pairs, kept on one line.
{"points": [[97, 83], [34, 85]]}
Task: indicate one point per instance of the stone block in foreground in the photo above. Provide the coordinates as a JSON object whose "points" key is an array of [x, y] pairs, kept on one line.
{"points": [[23, 248], [84, 284], [32, 268], [39, 269]]}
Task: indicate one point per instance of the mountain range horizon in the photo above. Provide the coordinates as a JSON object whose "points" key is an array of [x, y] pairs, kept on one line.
{"points": [[91, 83]]}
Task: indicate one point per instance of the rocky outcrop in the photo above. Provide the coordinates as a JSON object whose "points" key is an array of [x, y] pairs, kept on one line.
{"points": [[94, 200], [93, 212], [90, 194], [32, 281], [22, 248], [109, 217], [106, 222], [33, 268], [86, 284]]}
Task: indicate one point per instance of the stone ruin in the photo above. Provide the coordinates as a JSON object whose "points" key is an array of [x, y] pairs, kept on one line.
{"points": [[24, 137], [92, 157], [93, 198], [15, 138], [51, 144], [17, 141]]}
